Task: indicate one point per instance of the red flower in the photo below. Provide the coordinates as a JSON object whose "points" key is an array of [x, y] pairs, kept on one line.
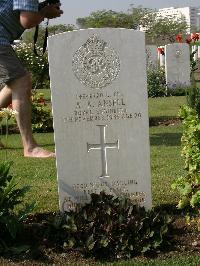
{"points": [[188, 40], [161, 50], [42, 100], [179, 38], [195, 36]]}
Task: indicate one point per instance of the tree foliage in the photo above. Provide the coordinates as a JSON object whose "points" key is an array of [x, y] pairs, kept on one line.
{"points": [[106, 18], [112, 19], [158, 30], [164, 30], [28, 36]]}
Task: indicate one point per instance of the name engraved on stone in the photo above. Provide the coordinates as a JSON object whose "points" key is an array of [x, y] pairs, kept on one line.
{"points": [[100, 107], [103, 146], [95, 64]]}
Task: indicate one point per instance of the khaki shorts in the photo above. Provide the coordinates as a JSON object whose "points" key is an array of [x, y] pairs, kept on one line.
{"points": [[11, 67]]}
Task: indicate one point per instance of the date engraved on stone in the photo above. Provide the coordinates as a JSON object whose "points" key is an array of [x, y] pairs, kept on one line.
{"points": [[103, 146], [95, 64]]}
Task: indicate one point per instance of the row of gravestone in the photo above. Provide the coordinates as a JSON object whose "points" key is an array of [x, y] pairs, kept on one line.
{"points": [[100, 109], [175, 59]]}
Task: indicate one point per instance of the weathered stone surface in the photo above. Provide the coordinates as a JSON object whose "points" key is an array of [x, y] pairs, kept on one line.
{"points": [[99, 97], [152, 56], [177, 65]]}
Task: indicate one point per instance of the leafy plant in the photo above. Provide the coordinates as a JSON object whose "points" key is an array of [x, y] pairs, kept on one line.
{"points": [[177, 91], [189, 185], [193, 98], [42, 120], [110, 227], [156, 82], [10, 197], [5, 115]]}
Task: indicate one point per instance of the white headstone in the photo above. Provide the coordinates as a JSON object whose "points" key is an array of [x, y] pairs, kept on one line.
{"points": [[195, 51], [198, 51], [99, 97], [152, 56], [177, 65], [161, 56]]}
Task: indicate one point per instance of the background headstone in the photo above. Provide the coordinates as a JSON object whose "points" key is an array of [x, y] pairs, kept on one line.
{"points": [[177, 65], [198, 52], [100, 109], [161, 56], [152, 56], [195, 51]]}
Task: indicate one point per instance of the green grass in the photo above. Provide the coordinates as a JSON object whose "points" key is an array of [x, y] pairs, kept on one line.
{"points": [[165, 106], [166, 162], [40, 174], [190, 260]]}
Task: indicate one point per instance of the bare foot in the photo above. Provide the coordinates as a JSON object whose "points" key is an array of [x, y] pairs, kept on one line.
{"points": [[38, 152]]}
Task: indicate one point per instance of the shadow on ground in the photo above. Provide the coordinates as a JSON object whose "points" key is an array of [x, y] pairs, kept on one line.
{"points": [[167, 139]]}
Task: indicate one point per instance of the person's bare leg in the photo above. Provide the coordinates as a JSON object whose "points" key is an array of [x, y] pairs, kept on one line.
{"points": [[21, 94], [5, 97], [5, 100]]}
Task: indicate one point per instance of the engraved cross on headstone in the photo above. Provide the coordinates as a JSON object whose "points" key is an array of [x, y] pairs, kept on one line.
{"points": [[103, 146]]}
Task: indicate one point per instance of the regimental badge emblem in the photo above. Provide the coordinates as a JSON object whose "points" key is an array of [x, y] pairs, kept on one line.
{"points": [[95, 63]]}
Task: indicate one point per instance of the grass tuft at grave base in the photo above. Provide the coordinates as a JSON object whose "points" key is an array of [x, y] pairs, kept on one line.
{"points": [[166, 164]]}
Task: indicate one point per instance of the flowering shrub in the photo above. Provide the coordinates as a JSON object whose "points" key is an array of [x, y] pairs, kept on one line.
{"points": [[156, 82], [37, 65], [161, 50], [190, 40], [5, 115], [179, 38], [42, 120], [194, 37]]}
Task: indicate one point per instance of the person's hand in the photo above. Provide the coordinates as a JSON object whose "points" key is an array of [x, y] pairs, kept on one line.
{"points": [[51, 11]]}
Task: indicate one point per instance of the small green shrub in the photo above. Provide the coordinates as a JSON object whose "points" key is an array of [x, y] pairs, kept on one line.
{"points": [[10, 197], [110, 228], [177, 91], [189, 185], [156, 82], [42, 120]]}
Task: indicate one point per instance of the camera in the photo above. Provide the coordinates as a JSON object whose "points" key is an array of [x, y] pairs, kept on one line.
{"points": [[40, 6], [48, 2]]}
